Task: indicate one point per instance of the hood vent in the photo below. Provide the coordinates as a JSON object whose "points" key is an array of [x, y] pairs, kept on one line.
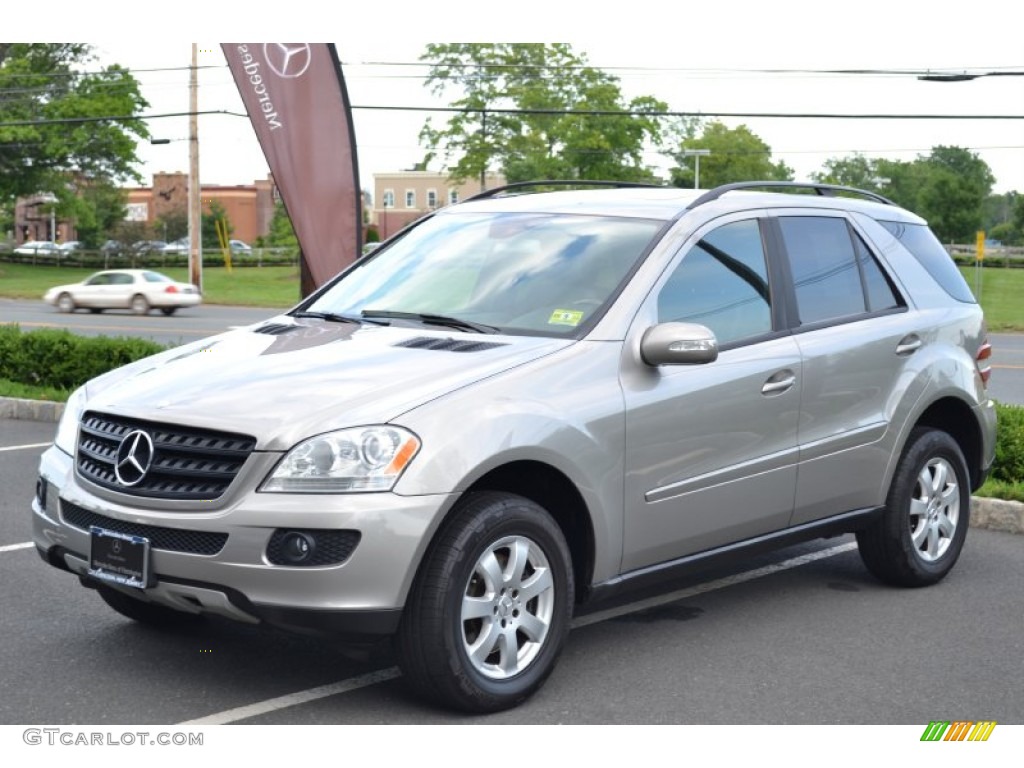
{"points": [[275, 329], [448, 345]]}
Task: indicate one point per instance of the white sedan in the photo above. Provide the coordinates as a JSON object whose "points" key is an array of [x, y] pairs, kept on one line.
{"points": [[136, 289]]}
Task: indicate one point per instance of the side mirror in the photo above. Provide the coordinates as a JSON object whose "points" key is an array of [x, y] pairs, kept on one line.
{"points": [[678, 344]]}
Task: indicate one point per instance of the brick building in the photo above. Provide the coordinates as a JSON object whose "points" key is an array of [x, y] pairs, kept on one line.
{"points": [[249, 207], [401, 197]]}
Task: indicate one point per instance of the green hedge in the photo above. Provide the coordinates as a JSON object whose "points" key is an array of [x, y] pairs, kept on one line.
{"points": [[1009, 464], [57, 358]]}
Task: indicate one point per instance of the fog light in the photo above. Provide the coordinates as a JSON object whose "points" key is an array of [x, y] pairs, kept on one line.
{"points": [[297, 547]]}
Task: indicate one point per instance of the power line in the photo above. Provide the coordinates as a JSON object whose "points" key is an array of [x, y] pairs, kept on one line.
{"points": [[701, 113], [552, 112], [114, 69], [115, 118]]}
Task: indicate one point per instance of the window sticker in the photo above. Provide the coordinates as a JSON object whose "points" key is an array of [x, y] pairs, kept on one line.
{"points": [[565, 317]]}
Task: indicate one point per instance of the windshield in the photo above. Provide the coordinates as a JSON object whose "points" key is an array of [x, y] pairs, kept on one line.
{"points": [[536, 274]]}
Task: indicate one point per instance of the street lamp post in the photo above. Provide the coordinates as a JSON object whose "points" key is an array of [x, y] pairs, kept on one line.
{"points": [[696, 154], [51, 199]]}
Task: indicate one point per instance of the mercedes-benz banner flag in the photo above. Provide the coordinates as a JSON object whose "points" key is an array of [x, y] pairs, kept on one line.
{"points": [[296, 98]]}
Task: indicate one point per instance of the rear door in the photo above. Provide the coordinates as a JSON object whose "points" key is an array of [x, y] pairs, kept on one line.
{"points": [[856, 339]]}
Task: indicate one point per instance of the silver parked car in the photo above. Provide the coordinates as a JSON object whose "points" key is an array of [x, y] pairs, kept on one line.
{"points": [[525, 402], [37, 248]]}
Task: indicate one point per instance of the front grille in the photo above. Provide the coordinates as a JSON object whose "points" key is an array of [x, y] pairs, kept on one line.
{"points": [[187, 463], [332, 547], [170, 539]]}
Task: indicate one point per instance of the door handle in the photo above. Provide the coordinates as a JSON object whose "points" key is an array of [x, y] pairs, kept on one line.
{"points": [[909, 345], [779, 383]]}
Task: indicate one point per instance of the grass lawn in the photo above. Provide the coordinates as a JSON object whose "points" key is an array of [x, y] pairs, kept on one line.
{"points": [[1002, 291], [251, 286]]}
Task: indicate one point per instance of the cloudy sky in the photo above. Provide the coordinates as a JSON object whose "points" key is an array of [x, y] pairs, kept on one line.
{"points": [[706, 59]]}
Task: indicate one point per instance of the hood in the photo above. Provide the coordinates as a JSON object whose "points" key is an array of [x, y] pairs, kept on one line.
{"points": [[286, 379]]}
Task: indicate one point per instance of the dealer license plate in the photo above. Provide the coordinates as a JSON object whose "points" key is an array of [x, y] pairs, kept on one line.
{"points": [[119, 558]]}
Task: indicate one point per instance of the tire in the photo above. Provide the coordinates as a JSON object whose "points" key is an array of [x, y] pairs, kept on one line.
{"points": [[150, 614], [65, 303], [469, 664], [139, 305], [168, 310], [921, 533], [95, 310]]}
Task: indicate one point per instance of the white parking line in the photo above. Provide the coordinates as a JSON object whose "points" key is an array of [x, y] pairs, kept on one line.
{"points": [[13, 547], [25, 447], [383, 675], [312, 694]]}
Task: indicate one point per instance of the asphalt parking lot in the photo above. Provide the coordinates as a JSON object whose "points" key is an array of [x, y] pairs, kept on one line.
{"points": [[806, 636]]}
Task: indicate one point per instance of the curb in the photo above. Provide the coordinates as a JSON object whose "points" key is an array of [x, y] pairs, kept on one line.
{"points": [[992, 514], [997, 515], [33, 410]]}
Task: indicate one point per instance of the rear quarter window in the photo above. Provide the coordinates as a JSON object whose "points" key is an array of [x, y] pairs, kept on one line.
{"points": [[926, 248]]}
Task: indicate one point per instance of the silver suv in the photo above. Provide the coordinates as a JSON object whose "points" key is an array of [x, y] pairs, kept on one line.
{"points": [[529, 401]]}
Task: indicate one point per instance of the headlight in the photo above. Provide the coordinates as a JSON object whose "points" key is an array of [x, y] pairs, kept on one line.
{"points": [[346, 461], [67, 429]]}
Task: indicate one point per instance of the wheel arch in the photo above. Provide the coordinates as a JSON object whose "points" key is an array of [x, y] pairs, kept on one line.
{"points": [[558, 495], [955, 417]]}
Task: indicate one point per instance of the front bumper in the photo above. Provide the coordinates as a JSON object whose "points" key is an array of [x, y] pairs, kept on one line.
{"points": [[361, 596]]}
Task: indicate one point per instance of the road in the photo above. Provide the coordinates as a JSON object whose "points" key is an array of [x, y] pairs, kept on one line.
{"points": [[185, 325], [1007, 382], [805, 636]]}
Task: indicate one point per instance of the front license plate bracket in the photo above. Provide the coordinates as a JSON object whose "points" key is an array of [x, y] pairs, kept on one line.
{"points": [[119, 558]]}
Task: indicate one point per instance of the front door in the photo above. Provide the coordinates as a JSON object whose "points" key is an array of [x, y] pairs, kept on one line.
{"points": [[711, 449]]}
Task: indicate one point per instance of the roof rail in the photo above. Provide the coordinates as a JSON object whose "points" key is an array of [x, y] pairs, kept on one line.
{"points": [[826, 190], [520, 185]]}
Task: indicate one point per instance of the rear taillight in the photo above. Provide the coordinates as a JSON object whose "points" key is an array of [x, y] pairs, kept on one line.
{"points": [[981, 361], [171, 289]]}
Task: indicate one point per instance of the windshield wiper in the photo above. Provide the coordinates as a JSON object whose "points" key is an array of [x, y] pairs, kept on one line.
{"points": [[334, 317], [431, 319]]}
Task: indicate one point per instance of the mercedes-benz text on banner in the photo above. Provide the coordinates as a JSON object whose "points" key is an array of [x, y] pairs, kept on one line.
{"points": [[296, 98]]}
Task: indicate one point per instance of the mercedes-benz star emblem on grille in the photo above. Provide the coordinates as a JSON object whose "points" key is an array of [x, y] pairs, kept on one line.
{"points": [[134, 457], [288, 60]]}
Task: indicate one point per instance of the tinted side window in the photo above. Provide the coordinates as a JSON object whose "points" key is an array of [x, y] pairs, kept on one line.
{"points": [[927, 249], [824, 268], [722, 282], [880, 292]]}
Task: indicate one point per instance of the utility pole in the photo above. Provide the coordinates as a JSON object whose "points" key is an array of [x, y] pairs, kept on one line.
{"points": [[696, 154], [195, 205], [483, 134]]}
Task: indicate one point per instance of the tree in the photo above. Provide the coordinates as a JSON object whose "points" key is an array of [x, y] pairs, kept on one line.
{"points": [[173, 224], [948, 187], [215, 213], [737, 154], [855, 171], [96, 208], [517, 104], [282, 234], [45, 87]]}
